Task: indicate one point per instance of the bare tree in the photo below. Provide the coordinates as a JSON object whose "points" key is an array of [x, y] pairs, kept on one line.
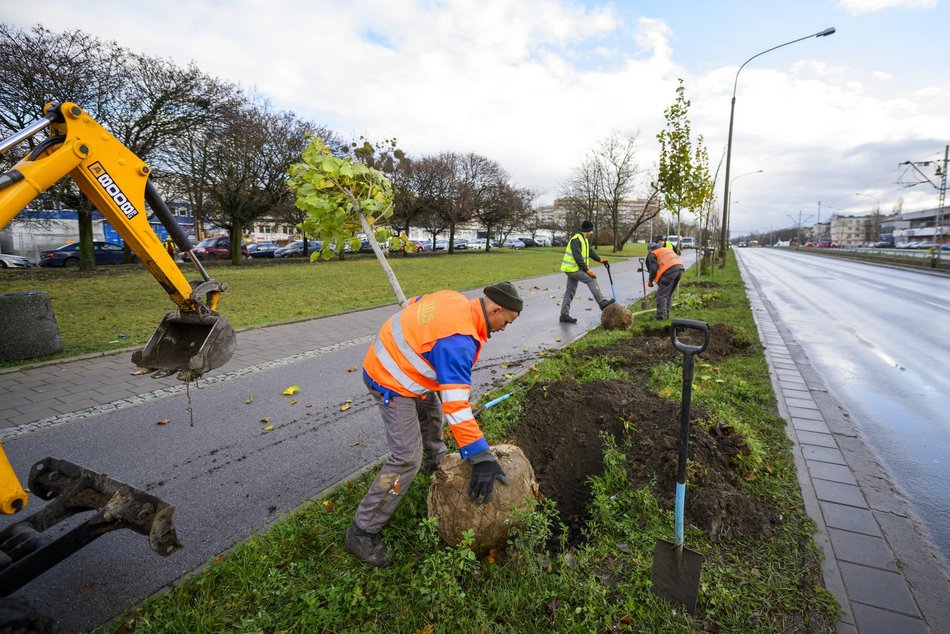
{"points": [[249, 167], [581, 193], [618, 171], [481, 191]]}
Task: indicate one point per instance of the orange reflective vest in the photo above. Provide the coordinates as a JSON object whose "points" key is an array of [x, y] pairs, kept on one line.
{"points": [[665, 258], [396, 363]]}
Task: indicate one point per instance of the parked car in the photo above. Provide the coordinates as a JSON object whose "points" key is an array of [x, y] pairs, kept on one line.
{"points": [[883, 244], [460, 245], [925, 244], [827, 244], [295, 249], [543, 241], [8, 261], [216, 248], [529, 242], [810, 243], [559, 242], [478, 244], [365, 247], [68, 254], [689, 242], [513, 243], [262, 249]]}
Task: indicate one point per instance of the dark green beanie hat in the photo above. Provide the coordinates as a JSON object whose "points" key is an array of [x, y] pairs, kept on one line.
{"points": [[505, 295]]}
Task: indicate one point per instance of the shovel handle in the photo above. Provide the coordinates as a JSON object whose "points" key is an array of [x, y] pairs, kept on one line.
{"points": [[492, 403], [689, 324]]}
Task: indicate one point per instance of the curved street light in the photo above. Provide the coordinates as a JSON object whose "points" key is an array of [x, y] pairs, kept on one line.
{"points": [[737, 178], [724, 235]]}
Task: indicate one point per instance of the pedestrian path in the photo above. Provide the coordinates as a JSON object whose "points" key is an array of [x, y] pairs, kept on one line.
{"points": [[878, 562]]}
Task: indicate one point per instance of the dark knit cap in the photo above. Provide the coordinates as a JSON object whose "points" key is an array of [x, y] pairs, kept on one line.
{"points": [[587, 225], [505, 295]]}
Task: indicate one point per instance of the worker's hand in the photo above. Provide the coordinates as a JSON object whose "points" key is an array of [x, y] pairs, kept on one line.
{"points": [[603, 260], [591, 273], [483, 480], [650, 284]]}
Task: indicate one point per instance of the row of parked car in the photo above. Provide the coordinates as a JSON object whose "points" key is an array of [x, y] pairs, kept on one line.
{"points": [[219, 247]]}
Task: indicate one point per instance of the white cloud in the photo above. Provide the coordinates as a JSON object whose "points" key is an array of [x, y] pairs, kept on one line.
{"points": [[536, 84], [882, 76], [861, 7]]}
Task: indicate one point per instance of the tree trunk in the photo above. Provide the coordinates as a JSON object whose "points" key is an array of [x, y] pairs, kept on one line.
{"points": [[87, 254], [487, 238], [397, 289], [236, 242], [452, 238]]}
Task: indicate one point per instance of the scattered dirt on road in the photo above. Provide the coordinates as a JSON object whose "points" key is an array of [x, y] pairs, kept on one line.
{"points": [[561, 427]]}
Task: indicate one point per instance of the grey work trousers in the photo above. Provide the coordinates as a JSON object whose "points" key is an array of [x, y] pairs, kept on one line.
{"points": [[413, 432], [664, 292], [572, 280]]}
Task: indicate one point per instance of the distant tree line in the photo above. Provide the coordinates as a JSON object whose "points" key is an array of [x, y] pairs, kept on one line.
{"points": [[217, 147]]}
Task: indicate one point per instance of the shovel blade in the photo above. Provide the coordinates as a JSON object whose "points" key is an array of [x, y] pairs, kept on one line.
{"points": [[675, 573], [188, 343]]}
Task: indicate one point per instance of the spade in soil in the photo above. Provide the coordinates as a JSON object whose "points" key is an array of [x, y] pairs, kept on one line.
{"points": [[676, 569]]}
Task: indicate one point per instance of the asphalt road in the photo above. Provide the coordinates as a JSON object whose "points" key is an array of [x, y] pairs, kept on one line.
{"points": [[226, 476], [880, 338]]}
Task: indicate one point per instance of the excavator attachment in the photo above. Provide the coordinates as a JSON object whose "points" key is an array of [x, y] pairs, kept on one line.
{"points": [[27, 550], [189, 344]]}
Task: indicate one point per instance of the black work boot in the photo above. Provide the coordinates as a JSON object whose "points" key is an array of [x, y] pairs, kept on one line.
{"points": [[369, 547], [567, 319], [607, 302]]}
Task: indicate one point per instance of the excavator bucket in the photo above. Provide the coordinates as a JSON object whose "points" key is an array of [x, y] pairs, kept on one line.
{"points": [[188, 343]]}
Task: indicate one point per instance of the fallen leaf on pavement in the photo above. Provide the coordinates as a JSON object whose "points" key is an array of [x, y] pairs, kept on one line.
{"points": [[268, 428], [353, 369], [249, 399], [164, 421], [265, 419], [293, 401], [290, 391], [346, 405]]}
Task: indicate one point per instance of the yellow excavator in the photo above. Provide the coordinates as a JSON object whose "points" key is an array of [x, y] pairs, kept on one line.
{"points": [[190, 341]]}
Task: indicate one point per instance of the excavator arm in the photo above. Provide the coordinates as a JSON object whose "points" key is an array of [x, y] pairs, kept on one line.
{"points": [[190, 341]]}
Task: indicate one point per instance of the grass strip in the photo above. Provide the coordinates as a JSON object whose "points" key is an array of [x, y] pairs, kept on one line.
{"points": [[298, 577]]}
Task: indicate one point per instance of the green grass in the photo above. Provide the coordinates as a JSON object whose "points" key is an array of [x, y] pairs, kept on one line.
{"points": [[117, 307], [298, 577]]}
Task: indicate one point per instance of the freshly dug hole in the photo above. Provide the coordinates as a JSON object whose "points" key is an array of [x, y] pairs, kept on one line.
{"points": [[448, 499]]}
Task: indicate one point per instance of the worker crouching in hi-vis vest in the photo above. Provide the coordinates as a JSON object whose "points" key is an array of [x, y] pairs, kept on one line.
{"points": [[666, 269], [576, 264], [419, 368]]}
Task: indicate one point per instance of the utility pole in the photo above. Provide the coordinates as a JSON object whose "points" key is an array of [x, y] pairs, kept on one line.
{"points": [[942, 189]]}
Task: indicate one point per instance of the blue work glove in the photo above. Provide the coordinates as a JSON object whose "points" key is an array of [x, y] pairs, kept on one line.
{"points": [[482, 483]]}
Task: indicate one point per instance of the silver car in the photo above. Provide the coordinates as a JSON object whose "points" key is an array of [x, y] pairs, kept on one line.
{"points": [[8, 261]]}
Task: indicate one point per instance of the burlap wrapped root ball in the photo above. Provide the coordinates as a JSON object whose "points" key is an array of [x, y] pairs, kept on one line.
{"points": [[616, 317], [448, 499]]}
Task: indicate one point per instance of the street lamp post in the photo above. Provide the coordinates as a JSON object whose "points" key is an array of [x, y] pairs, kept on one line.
{"points": [[724, 235], [737, 178]]}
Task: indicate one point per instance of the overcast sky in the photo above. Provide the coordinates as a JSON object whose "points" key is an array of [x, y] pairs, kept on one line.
{"points": [[535, 85]]}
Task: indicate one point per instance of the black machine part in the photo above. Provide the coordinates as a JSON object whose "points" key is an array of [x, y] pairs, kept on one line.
{"points": [[26, 553]]}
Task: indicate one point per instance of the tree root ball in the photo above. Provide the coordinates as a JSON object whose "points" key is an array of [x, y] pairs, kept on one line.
{"points": [[448, 499], [616, 317]]}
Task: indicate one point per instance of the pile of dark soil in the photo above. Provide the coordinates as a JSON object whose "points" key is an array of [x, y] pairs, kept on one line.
{"points": [[560, 433]]}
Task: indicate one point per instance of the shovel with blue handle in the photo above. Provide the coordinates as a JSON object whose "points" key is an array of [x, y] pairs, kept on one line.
{"points": [[676, 569]]}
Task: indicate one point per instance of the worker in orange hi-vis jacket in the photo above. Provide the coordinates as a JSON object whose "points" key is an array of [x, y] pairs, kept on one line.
{"points": [[419, 369], [666, 269]]}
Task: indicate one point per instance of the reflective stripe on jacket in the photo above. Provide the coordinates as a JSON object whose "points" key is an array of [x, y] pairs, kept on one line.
{"points": [[665, 258], [569, 263], [431, 345]]}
